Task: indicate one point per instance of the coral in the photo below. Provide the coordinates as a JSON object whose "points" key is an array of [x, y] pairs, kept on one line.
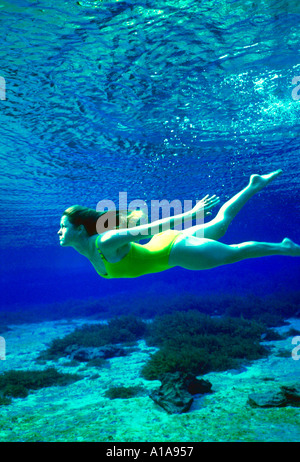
{"points": [[17, 383]]}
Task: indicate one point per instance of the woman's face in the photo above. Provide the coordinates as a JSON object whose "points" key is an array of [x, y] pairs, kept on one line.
{"points": [[68, 233]]}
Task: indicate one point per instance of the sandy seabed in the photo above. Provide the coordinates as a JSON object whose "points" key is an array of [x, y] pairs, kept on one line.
{"points": [[80, 412]]}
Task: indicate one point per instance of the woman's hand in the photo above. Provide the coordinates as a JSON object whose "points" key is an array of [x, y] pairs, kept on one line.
{"points": [[206, 204]]}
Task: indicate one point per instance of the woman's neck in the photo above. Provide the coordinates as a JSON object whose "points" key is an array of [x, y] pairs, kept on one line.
{"points": [[85, 246]]}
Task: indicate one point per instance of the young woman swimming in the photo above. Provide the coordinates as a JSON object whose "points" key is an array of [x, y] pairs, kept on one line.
{"points": [[115, 253]]}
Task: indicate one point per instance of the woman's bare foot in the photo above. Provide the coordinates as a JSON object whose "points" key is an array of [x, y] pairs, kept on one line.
{"points": [[260, 181], [290, 248]]}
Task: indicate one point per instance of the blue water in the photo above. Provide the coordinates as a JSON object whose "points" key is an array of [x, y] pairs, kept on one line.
{"points": [[171, 99], [162, 100]]}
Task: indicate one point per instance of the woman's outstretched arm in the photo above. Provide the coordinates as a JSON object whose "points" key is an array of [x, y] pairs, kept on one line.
{"points": [[114, 239]]}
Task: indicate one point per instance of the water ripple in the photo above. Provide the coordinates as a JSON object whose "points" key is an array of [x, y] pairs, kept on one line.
{"points": [[124, 95]]}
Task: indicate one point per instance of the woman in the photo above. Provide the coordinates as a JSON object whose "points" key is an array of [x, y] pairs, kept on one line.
{"points": [[115, 253]]}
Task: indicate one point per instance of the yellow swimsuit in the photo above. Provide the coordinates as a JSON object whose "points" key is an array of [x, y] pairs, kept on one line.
{"points": [[152, 257]]}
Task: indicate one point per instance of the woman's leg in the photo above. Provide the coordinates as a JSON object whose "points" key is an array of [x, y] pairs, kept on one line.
{"points": [[218, 226], [194, 253]]}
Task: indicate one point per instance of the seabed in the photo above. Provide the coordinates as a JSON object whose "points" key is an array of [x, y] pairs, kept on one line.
{"points": [[80, 412]]}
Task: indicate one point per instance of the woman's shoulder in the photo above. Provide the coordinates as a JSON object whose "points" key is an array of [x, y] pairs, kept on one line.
{"points": [[112, 255]]}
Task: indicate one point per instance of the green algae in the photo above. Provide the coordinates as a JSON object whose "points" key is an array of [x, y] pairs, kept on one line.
{"points": [[18, 383], [196, 343], [124, 392], [125, 329]]}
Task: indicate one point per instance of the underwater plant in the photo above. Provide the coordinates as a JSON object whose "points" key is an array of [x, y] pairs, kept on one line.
{"points": [[193, 342], [123, 392], [97, 362], [18, 383], [118, 330], [188, 341], [272, 310], [4, 401]]}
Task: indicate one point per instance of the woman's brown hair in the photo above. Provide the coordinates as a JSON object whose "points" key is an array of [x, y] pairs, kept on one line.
{"points": [[99, 222]]}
